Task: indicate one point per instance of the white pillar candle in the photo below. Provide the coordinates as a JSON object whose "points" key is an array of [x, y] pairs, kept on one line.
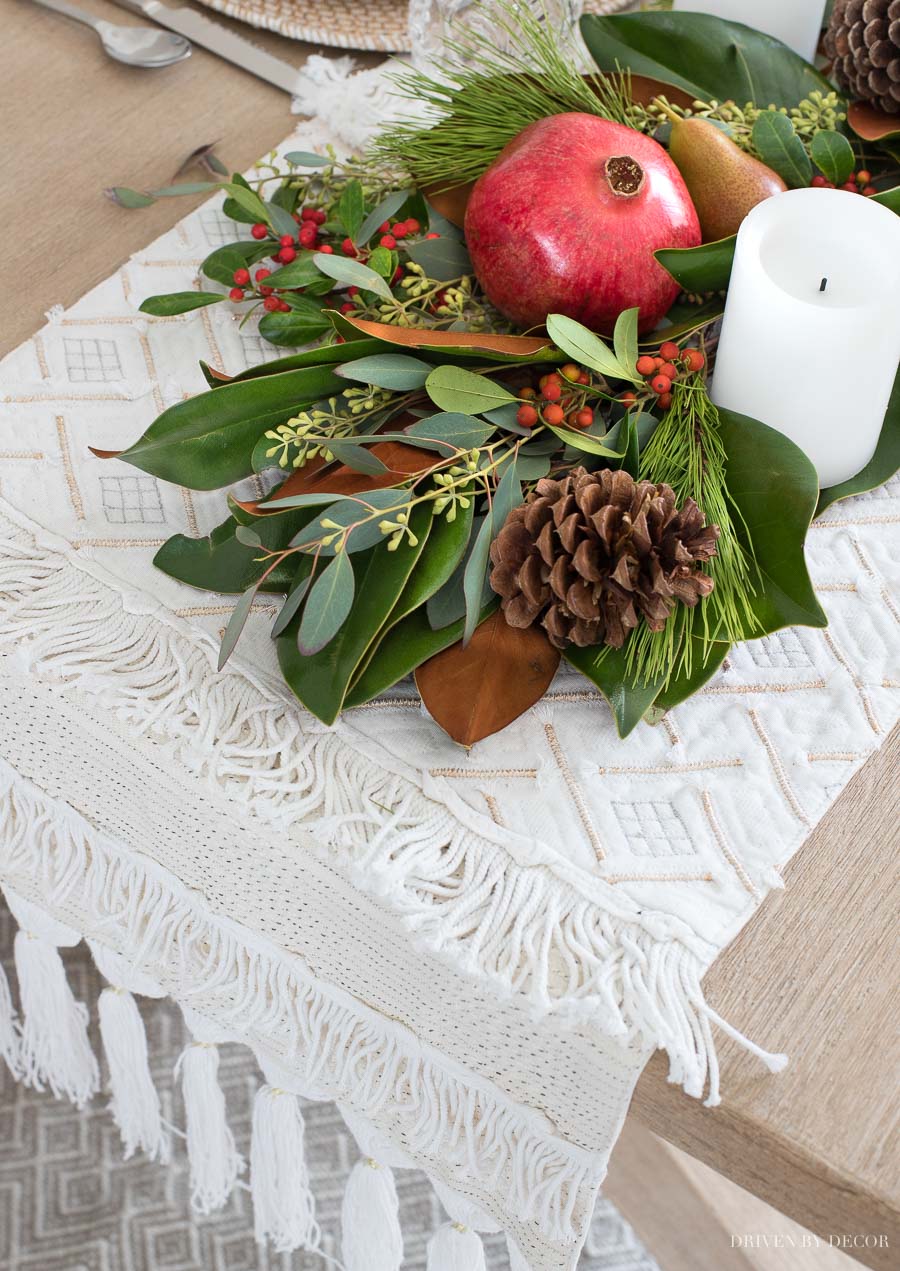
{"points": [[811, 334], [797, 23]]}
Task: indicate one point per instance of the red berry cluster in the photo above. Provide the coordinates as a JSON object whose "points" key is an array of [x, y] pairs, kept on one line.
{"points": [[662, 369], [393, 232], [556, 400], [856, 183]]}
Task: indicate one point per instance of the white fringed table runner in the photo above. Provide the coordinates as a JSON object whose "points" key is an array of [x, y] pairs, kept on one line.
{"points": [[473, 954]]}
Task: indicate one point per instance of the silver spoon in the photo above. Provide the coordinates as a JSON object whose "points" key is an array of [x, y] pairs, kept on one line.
{"points": [[133, 45]]}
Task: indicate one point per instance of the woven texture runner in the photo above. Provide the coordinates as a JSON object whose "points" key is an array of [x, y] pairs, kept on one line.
{"points": [[473, 954]]}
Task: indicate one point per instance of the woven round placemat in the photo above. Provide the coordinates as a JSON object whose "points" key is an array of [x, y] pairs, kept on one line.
{"points": [[348, 24]]}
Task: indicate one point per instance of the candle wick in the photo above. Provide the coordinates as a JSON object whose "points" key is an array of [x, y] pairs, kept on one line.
{"points": [[823, 284]]}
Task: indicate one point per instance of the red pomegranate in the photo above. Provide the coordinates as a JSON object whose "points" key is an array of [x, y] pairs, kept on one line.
{"points": [[567, 218]]}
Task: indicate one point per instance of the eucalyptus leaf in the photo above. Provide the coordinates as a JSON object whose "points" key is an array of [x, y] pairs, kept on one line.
{"points": [[475, 574], [248, 536], [833, 155], [587, 444], [455, 389], [507, 496], [454, 429], [387, 208], [207, 441], [344, 269], [588, 349], [236, 622], [883, 464], [186, 187], [396, 371], [294, 599], [321, 681], [448, 604], [179, 302], [357, 457], [236, 211], [351, 209], [709, 58], [362, 511], [699, 269], [129, 198], [443, 259], [306, 159], [329, 604], [776, 142]]}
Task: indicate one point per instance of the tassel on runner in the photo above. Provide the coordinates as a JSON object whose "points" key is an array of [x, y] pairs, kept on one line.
{"points": [[215, 1163], [371, 1236], [134, 1101], [283, 1203], [455, 1248]]}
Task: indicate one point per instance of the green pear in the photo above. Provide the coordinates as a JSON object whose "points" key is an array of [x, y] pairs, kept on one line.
{"points": [[723, 180]]}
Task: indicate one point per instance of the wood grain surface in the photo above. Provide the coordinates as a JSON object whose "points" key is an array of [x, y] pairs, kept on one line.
{"points": [[814, 974]]}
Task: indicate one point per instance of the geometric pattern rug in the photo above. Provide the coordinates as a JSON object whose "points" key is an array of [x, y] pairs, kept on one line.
{"points": [[68, 1202]]}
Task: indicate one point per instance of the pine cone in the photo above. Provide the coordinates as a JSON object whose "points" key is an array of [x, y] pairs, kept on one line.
{"points": [[863, 41], [591, 554]]}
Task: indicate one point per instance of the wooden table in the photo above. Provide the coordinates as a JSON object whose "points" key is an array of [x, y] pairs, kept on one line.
{"points": [[814, 973]]}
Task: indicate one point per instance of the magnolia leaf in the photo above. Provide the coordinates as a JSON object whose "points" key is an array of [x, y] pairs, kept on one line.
{"points": [[699, 269], [179, 302], [306, 159], [625, 338], [500, 348], [455, 389], [239, 616], [508, 495], [709, 58], [344, 269], [401, 649], [833, 155], [872, 124], [890, 198], [588, 349], [475, 688], [207, 441], [448, 604], [299, 273], [442, 258], [395, 371], [387, 208], [883, 464], [606, 668], [223, 564], [330, 602], [776, 142], [706, 660]]}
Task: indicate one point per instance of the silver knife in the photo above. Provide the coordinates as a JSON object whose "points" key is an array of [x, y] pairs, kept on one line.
{"points": [[218, 39]]}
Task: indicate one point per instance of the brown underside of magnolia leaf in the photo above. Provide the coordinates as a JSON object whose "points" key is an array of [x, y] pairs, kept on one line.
{"points": [[104, 454], [516, 345], [872, 124], [475, 691], [452, 203], [402, 461]]}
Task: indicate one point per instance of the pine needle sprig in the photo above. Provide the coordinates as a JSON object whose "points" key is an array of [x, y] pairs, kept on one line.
{"points": [[469, 116], [687, 452]]}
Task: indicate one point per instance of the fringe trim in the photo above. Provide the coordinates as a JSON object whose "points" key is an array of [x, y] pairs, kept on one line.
{"points": [[359, 1057], [519, 929]]}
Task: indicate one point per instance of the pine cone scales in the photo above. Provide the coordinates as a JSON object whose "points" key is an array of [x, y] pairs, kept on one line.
{"points": [[863, 41], [592, 554]]}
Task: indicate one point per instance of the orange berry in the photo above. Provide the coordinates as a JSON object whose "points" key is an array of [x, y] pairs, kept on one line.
{"points": [[584, 377], [584, 418], [669, 350], [646, 365], [869, 190], [528, 392], [694, 360], [570, 371], [527, 416], [628, 399], [864, 177], [661, 384], [665, 400], [670, 370], [658, 362], [552, 390], [554, 415]]}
